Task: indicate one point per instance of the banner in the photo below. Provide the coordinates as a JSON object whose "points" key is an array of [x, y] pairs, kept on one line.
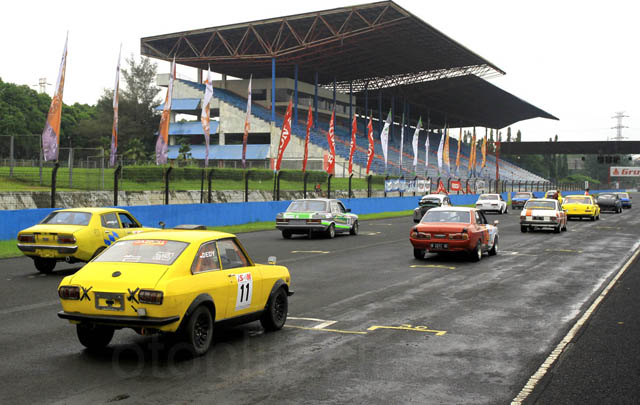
{"points": [[441, 188], [440, 149], [371, 148], [414, 144], [458, 155], [622, 171], [205, 115], [384, 138], [247, 126], [352, 145], [426, 146], [455, 185], [484, 150], [51, 132], [306, 139], [114, 128], [285, 135], [162, 144], [331, 138], [445, 152], [406, 186], [472, 155], [401, 141]]}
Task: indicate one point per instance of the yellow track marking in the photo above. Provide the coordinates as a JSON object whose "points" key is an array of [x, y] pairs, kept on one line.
{"points": [[563, 250], [411, 328], [310, 251], [351, 332], [433, 266]]}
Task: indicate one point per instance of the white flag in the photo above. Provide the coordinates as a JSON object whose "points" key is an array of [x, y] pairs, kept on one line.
{"points": [[426, 155], [440, 148], [401, 141], [204, 115], [414, 143], [384, 138]]}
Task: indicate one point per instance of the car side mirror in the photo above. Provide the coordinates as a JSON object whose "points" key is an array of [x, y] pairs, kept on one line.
{"points": [[496, 222], [271, 260], [348, 209], [162, 224]]}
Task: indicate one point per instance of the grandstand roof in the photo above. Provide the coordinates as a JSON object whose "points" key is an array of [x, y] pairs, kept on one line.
{"points": [[376, 45], [464, 101]]}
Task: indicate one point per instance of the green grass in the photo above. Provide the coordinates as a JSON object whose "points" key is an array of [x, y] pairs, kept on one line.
{"points": [[8, 249]]}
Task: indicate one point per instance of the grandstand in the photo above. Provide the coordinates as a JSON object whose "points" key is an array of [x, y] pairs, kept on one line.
{"points": [[335, 54]]}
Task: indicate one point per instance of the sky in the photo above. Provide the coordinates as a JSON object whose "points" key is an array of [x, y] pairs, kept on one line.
{"points": [[577, 60]]}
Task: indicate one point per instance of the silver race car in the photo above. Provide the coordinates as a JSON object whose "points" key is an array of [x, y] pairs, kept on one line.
{"points": [[328, 216]]}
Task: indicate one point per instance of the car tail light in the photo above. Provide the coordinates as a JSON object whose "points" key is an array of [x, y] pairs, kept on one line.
{"points": [[458, 236], [420, 235], [314, 221], [69, 292], [66, 239], [27, 238], [150, 297]]}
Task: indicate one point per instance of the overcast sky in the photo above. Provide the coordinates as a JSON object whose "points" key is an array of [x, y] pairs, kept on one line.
{"points": [[577, 60]]}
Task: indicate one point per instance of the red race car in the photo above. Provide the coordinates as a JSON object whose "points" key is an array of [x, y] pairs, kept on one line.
{"points": [[454, 229]]}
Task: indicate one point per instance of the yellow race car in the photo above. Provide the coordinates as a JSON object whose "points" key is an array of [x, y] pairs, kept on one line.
{"points": [[75, 235], [581, 206], [176, 281]]}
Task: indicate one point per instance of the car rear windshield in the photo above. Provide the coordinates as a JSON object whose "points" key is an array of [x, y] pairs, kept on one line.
{"points": [[307, 206], [623, 195], [430, 202], [606, 197], [446, 216], [522, 195], [488, 197], [578, 200], [150, 251], [67, 218], [540, 205]]}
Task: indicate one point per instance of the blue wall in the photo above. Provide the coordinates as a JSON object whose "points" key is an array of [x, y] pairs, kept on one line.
{"points": [[229, 213]]}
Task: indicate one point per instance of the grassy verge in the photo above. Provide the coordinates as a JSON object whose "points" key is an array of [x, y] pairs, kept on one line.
{"points": [[8, 248]]}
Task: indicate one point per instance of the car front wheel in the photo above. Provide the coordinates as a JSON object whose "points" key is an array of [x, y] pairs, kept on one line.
{"points": [[275, 315], [354, 228], [198, 333], [44, 265], [494, 248], [94, 337]]}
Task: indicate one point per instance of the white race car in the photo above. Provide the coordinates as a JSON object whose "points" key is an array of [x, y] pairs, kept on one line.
{"points": [[493, 203], [543, 213]]}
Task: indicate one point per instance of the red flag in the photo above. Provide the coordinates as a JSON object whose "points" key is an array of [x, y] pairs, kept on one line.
{"points": [[285, 135], [331, 138], [370, 150], [352, 146], [306, 140]]}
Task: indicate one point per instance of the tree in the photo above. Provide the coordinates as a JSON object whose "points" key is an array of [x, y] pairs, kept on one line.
{"points": [[136, 151], [509, 134], [519, 136], [184, 153]]}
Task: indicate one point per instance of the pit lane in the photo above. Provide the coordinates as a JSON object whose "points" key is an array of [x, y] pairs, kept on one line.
{"points": [[360, 329]]}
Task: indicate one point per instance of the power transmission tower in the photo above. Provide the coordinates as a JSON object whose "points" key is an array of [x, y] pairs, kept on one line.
{"points": [[618, 117], [42, 83]]}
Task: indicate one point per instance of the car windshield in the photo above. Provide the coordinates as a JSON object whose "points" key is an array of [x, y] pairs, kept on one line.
{"points": [[430, 202], [67, 218], [150, 251], [307, 206], [540, 205], [522, 195], [446, 216], [578, 200], [488, 197], [623, 195]]}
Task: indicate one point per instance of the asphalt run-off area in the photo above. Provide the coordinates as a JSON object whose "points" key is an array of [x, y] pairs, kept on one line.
{"points": [[368, 324]]}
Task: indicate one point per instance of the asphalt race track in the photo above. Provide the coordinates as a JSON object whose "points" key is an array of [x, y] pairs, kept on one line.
{"points": [[367, 324]]}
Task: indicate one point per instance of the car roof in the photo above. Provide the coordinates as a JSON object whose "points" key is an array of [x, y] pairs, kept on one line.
{"points": [[462, 209], [490, 194], [543, 199], [315, 199], [576, 195], [92, 210], [439, 196], [180, 235]]}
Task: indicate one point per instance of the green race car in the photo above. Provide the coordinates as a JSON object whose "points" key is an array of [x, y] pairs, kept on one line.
{"points": [[328, 216]]}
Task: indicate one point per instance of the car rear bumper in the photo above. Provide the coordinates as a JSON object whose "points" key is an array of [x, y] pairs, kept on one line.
{"points": [[452, 245], [63, 250], [302, 227], [128, 321], [539, 224]]}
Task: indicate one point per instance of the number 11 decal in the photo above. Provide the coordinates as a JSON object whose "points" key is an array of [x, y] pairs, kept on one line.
{"points": [[245, 291]]}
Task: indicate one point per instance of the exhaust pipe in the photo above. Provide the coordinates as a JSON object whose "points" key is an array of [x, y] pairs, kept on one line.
{"points": [[67, 259]]}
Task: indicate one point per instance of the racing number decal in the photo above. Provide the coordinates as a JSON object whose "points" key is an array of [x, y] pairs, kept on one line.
{"points": [[245, 291]]}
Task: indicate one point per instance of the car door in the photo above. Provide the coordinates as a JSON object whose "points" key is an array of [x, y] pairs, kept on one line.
{"points": [[210, 279], [110, 228], [246, 294], [339, 215], [481, 226]]}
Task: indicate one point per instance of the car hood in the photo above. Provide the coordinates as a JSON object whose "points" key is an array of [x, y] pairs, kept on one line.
{"points": [[100, 276], [449, 227], [49, 228]]}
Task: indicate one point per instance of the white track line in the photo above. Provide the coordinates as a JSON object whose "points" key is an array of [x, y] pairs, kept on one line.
{"points": [[535, 378]]}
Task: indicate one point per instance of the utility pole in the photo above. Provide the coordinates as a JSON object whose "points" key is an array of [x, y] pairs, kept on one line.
{"points": [[618, 117]]}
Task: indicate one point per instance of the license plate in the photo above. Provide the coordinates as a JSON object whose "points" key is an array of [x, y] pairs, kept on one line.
{"points": [[297, 221], [439, 246], [109, 301], [45, 252]]}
